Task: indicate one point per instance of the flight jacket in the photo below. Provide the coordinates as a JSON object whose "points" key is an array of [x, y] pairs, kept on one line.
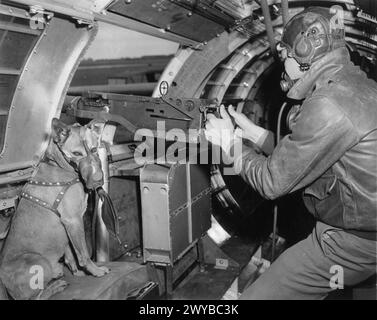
{"points": [[331, 152]]}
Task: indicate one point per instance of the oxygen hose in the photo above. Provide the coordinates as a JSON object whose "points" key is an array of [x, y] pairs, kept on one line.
{"points": [[274, 228], [109, 214]]}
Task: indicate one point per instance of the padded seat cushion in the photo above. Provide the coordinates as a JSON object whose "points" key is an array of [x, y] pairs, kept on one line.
{"points": [[124, 278]]}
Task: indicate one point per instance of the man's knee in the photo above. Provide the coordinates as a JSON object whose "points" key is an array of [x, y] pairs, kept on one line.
{"points": [[287, 278]]}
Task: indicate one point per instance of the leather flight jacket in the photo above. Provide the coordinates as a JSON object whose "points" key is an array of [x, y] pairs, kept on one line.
{"points": [[331, 153]]}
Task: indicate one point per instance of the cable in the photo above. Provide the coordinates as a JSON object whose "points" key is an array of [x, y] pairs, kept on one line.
{"points": [[278, 129], [274, 228]]}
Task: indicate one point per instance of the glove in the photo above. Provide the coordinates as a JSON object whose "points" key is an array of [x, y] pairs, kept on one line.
{"points": [[220, 131], [247, 128]]}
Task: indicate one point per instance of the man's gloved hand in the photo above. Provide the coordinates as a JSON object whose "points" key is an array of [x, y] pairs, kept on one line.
{"points": [[247, 128], [220, 131]]}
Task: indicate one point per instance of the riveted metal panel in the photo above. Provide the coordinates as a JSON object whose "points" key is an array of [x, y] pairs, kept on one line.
{"points": [[155, 213], [169, 16], [173, 220], [40, 92], [155, 221]]}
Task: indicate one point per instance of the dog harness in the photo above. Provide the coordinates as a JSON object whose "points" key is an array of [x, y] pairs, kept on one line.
{"points": [[59, 198], [65, 185]]}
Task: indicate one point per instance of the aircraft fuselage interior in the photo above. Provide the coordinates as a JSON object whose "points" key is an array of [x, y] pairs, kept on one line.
{"points": [[109, 186]]}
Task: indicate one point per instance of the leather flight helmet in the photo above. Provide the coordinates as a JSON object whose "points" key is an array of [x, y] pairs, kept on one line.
{"points": [[312, 33]]}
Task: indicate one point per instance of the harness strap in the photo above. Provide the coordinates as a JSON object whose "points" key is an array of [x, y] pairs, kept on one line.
{"points": [[51, 184], [59, 198], [39, 202]]}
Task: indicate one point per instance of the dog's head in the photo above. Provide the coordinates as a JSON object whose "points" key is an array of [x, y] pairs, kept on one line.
{"points": [[79, 147]]}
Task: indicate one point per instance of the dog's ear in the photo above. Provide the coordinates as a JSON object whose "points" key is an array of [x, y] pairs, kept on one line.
{"points": [[60, 131]]}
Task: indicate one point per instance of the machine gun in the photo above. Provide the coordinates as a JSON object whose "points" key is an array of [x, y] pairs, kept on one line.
{"points": [[139, 112]]}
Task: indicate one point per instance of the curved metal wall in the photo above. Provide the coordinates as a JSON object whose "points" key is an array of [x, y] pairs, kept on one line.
{"points": [[230, 67], [52, 62]]}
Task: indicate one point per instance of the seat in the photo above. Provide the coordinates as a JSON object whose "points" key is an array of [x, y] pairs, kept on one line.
{"points": [[367, 290], [123, 281]]}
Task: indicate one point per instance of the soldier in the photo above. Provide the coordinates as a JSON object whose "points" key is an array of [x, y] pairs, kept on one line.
{"points": [[331, 153]]}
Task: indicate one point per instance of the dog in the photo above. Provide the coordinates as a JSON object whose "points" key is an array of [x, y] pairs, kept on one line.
{"points": [[47, 228]]}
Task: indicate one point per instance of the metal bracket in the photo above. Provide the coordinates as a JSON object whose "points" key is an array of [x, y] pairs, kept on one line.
{"points": [[76, 12], [38, 9], [243, 26], [83, 22], [39, 17]]}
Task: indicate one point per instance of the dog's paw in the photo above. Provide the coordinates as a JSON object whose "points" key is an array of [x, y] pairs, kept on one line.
{"points": [[97, 271], [105, 269]]}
